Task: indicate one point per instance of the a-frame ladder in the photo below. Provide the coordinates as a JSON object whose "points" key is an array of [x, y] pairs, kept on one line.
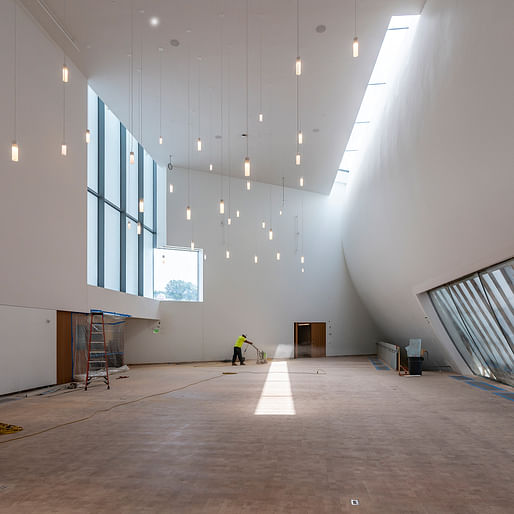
{"points": [[97, 349]]}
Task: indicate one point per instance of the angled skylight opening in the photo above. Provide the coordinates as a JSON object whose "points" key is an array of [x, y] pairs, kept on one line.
{"points": [[391, 57]]}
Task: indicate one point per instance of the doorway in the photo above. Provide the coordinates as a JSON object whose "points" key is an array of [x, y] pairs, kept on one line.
{"points": [[309, 339]]}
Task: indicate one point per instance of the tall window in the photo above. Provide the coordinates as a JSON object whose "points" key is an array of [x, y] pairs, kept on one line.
{"points": [[122, 205], [478, 314]]}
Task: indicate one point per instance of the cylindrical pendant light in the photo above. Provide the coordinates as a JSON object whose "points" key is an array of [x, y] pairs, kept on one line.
{"points": [[171, 188], [355, 46], [222, 207], [263, 224], [298, 160], [160, 95], [129, 224], [255, 259], [280, 212], [64, 149], [270, 234], [278, 256], [248, 185], [141, 205], [138, 228], [132, 158], [229, 221], [88, 136], [298, 66], [227, 254], [15, 155], [160, 140], [261, 117], [247, 166], [303, 270], [302, 259], [188, 213], [237, 214], [301, 181], [192, 245], [300, 137], [211, 167], [199, 144], [65, 73]]}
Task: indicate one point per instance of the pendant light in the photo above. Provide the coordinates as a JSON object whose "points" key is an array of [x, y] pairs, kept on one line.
{"points": [[171, 188], [132, 157], [161, 140], [129, 224], [237, 214], [263, 225], [188, 213], [141, 205], [15, 151], [229, 221], [300, 138], [222, 207], [355, 44], [255, 259], [199, 145], [88, 136], [65, 72], [227, 254], [247, 158], [248, 185], [270, 234], [301, 181], [211, 167], [303, 270], [298, 160], [302, 259], [278, 256], [192, 245], [139, 228], [222, 117]]}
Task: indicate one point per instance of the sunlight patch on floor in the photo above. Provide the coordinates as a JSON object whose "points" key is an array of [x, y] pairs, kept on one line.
{"points": [[276, 397]]}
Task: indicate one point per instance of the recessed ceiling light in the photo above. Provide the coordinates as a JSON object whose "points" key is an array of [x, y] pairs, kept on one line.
{"points": [[174, 42], [154, 21], [320, 29]]}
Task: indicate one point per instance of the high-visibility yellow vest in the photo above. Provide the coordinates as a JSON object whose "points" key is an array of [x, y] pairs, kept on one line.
{"points": [[240, 341]]}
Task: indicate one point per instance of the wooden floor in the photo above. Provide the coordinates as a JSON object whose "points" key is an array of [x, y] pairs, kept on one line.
{"points": [[309, 436]]}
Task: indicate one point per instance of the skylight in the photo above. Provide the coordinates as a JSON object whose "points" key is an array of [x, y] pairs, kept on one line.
{"points": [[394, 49]]}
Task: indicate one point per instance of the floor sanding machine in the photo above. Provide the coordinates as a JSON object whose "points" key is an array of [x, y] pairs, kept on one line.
{"points": [[261, 356]]}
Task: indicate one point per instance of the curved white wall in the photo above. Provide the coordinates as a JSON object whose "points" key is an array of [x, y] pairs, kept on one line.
{"points": [[433, 198]]}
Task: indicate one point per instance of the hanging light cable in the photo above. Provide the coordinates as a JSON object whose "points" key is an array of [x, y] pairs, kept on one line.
{"points": [[64, 146], [15, 153], [188, 208], [161, 50], [199, 140], [261, 115], [132, 158], [247, 158], [355, 45], [299, 135], [302, 258], [222, 127], [141, 201], [270, 232]]}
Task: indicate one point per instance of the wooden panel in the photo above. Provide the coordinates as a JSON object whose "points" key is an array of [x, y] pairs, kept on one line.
{"points": [[64, 354], [318, 339]]}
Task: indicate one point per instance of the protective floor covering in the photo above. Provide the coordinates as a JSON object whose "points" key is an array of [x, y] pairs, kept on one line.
{"points": [[309, 437]]}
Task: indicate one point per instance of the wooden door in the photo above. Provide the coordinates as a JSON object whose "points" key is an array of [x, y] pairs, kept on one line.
{"points": [[318, 339], [64, 353]]}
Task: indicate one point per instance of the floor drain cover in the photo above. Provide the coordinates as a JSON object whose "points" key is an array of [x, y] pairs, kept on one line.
{"points": [[354, 502]]}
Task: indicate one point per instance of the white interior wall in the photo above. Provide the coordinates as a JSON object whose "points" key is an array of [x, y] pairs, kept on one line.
{"points": [[43, 248], [432, 200], [28, 349], [264, 299]]}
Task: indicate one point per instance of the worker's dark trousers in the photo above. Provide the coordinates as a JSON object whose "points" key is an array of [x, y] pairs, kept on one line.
{"points": [[237, 355]]}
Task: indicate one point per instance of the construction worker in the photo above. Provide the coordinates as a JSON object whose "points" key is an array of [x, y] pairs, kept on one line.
{"points": [[237, 350]]}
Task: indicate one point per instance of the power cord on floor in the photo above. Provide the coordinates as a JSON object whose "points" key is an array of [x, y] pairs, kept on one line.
{"points": [[100, 411]]}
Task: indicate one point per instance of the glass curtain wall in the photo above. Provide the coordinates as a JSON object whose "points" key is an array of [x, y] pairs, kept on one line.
{"points": [[478, 314], [122, 229]]}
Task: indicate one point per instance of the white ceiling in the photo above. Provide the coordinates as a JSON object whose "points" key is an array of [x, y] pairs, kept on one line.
{"points": [[332, 83]]}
